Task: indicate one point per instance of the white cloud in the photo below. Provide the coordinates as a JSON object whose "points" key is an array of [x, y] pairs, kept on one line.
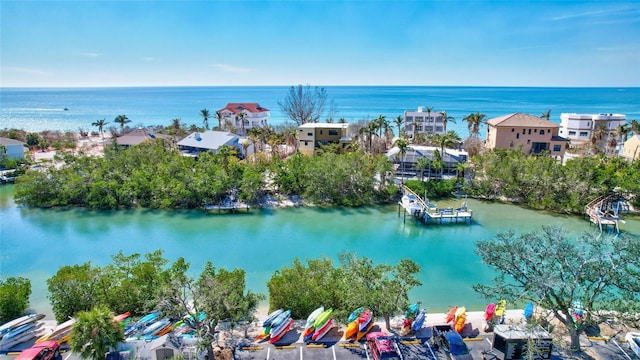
{"points": [[232, 69], [148, 58], [595, 13], [90, 54]]}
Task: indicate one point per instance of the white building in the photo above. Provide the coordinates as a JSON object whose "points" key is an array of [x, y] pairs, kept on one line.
{"points": [[13, 149], [255, 116], [424, 122], [579, 127], [209, 140]]}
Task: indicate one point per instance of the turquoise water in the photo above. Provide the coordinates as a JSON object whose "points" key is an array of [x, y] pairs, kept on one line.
{"points": [[37, 109], [35, 242]]}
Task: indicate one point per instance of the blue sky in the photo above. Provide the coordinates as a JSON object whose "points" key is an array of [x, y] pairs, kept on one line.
{"points": [[484, 43]]}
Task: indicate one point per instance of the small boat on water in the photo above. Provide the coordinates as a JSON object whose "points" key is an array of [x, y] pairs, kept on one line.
{"points": [[411, 204]]}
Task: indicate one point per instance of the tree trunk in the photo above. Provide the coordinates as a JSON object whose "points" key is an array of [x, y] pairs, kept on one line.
{"points": [[387, 321], [575, 338]]}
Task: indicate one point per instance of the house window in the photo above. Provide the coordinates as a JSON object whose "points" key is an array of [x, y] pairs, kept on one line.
{"points": [[333, 132], [518, 136], [583, 133], [541, 132], [573, 133], [524, 131], [309, 134], [528, 141], [529, 131], [409, 118], [557, 148], [512, 129], [535, 130]]}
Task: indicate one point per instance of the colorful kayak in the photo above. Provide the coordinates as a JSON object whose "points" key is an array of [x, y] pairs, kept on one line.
{"points": [[280, 319], [412, 311], [264, 334], [460, 319], [419, 320], [271, 317], [322, 331], [364, 320], [141, 324], [281, 331], [355, 314], [61, 333], [312, 317], [121, 317], [361, 334], [451, 314], [501, 307], [322, 318], [351, 330], [528, 310], [27, 319], [489, 311]]}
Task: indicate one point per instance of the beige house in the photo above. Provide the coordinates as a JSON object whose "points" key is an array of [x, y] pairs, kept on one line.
{"points": [[533, 133], [631, 150], [312, 135]]}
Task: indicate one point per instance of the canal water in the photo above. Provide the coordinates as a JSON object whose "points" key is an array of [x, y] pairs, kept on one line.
{"points": [[34, 243]]}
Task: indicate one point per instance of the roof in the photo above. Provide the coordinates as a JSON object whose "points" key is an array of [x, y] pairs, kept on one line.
{"points": [[312, 125], [139, 136], [10, 142], [237, 108], [209, 140], [633, 139], [521, 120]]}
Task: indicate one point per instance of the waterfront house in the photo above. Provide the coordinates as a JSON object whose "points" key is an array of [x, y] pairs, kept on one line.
{"points": [[138, 136], [407, 164], [312, 135], [631, 150], [209, 140], [13, 149], [254, 116], [424, 122], [532, 133], [580, 128]]}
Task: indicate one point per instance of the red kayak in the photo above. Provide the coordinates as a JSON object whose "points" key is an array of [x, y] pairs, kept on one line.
{"points": [[276, 338], [451, 314], [488, 313]]}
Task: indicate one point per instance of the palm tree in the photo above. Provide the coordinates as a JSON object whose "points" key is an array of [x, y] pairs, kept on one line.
{"points": [[255, 135], [422, 164], [635, 126], [205, 118], [241, 117], [368, 130], [473, 123], [398, 123], [122, 119], [219, 117], [445, 119], [402, 146], [100, 124], [95, 333], [546, 115], [622, 131]]}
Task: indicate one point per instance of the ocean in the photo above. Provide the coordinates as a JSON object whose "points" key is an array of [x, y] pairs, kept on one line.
{"points": [[38, 109]]}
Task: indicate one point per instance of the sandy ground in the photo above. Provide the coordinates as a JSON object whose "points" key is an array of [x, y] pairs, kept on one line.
{"points": [[92, 145]]}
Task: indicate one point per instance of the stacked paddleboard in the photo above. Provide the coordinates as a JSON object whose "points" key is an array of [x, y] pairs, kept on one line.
{"points": [[309, 327], [61, 333], [409, 315], [20, 330], [460, 319], [363, 324], [322, 325], [275, 326]]}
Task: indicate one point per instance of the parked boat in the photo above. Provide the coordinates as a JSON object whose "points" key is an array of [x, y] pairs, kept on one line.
{"points": [[323, 330], [355, 314], [141, 324], [122, 317], [19, 335], [61, 333], [322, 318], [279, 332], [460, 320], [351, 330], [411, 204], [271, 317], [26, 319], [365, 323], [451, 314], [280, 319], [312, 317], [419, 320]]}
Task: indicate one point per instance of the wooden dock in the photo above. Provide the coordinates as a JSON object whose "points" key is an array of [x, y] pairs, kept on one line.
{"points": [[432, 214], [603, 213]]}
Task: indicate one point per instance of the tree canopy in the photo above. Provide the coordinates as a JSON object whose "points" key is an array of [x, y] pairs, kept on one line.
{"points": [[304, 104], [95, 333], [553, 271], [14, 297]]}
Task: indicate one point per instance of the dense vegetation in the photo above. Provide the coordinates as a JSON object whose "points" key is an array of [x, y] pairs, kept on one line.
{"points": [[542, 182], [14, 297], [356, 282], [155, 175]]}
